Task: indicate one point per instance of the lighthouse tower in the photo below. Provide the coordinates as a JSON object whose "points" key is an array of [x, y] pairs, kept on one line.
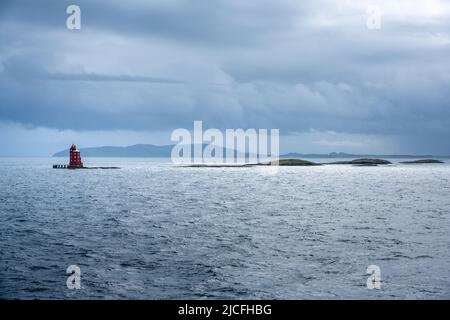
{"points": [[75, 158]]}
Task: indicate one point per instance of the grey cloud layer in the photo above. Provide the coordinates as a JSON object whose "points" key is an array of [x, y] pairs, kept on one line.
{"points": [[160, 65]]}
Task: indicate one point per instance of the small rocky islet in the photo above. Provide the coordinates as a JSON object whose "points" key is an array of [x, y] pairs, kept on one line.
{"points": [[356, 162], [422, 161], [293, 162], [362, 162]]}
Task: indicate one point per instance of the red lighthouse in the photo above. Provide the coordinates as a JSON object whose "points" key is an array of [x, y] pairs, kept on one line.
{"points": [[75, 158]]}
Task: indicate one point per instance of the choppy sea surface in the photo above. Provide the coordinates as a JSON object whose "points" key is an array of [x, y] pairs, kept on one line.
{"points": [[155, 231]]}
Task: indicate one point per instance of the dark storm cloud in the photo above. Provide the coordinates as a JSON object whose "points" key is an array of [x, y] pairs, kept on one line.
{"points": [[218, 22], [159, 65]]}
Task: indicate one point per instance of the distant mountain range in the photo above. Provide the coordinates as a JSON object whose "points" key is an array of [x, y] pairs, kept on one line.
{"points": [[137, 150], [153, 151]]}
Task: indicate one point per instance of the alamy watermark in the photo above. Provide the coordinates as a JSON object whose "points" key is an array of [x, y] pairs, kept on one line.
{"points": [[373, 21], [73, 21], [232, 147], [74, 279], [374, 280]]}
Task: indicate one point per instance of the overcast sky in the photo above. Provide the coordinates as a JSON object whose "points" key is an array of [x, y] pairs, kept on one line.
{"points": [[139, 69]]}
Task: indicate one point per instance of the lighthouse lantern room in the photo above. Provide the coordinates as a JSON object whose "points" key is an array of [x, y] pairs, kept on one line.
{"points": [[75, 158]]}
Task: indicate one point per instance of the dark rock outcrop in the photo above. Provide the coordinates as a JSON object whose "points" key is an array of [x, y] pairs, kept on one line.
{"points": [[363, 162], [293, 162], [421, 161]]}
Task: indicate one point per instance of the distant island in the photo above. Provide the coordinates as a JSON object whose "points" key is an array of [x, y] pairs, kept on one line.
{"points": [[164, 151], [422, 161], [356, 162], [361, 162]]}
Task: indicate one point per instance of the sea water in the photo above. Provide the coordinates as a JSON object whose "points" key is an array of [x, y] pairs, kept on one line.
{"points": [[153, 230]]}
